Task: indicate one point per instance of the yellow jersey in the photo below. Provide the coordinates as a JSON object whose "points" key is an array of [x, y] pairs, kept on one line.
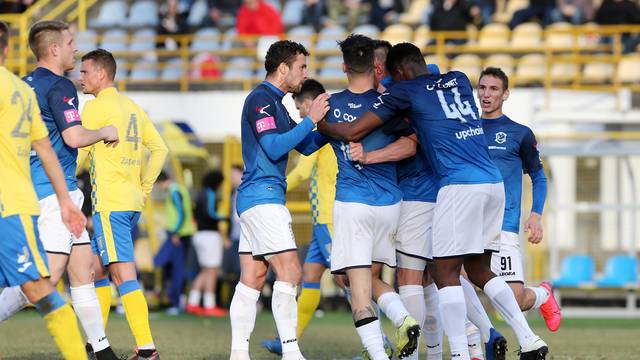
{"points": [[117, 180], [20, 124], [321, 168]]}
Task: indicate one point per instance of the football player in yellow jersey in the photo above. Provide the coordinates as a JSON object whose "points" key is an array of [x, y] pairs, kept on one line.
{"points": [[22, 129], [321, 168], [119, 186]]}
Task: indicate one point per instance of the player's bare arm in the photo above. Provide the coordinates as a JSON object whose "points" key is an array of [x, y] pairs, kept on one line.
{"points": [[79, 136], [72, 217], [400, 149], [351, 131]]}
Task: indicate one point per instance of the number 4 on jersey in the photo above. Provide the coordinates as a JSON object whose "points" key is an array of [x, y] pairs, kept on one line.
{"points": [[457, 110], [132, 131]]}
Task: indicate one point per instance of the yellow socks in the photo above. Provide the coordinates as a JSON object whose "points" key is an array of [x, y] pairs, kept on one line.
{"points": [[308, 302], [103, 291], [62, 325], [137, 312]]}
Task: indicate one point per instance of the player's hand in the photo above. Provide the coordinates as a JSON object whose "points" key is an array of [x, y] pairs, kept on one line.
{"points": [[110, 135], [319, 108], [533, 226], [357, 153], [72, 217], [175, 239]]}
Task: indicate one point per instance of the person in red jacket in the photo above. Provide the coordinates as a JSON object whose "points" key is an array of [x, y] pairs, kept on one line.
{"points": [[257, 17]]}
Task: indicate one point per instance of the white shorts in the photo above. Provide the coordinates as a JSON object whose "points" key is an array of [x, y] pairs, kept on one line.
{"points": [[208, 246], [363, 234], [55, 236], [413, 243], [468, 219], [265, 230], [508, 262]]}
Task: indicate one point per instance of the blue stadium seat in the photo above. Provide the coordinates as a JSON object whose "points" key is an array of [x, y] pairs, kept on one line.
{"points": [[143, 13], [122, 69], [239, 68], [143, 40], [292, 12], [229, 39], [331, 73], [112, 13], [328, 37], [114, 40], [172, 70], [86, 40], [261, 73], [576, 270], [301, 34], [206, 39], [620, 271], [198, 13], [144, 70], [369, 30]]}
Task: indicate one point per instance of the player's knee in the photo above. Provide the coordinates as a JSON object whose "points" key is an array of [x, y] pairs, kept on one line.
{"points": [[409, 277]]}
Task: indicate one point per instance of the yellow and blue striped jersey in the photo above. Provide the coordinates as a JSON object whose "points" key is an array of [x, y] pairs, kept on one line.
{"points": [[117, 180], [20, 124], [321, 168]]}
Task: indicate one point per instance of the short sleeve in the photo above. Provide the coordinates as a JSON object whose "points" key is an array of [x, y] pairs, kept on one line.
{"points": [[392, 102], [38, 128], [63, 102], [529, 153], [260, 111]]}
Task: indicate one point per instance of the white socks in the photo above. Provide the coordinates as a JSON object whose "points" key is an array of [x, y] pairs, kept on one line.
{"points": [[475, 341], [12, 300], [194, 297], [475, 310], [542, 295], [391, 304], [87, 307], [209, 300], [413, 299], [505, 303], [454, 315], [432, 329], [371, 338], [243, 317], [285, 312]]}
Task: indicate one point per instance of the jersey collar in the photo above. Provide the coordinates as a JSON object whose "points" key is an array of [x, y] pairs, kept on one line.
{"points": [[278, 92], [107, 91]]}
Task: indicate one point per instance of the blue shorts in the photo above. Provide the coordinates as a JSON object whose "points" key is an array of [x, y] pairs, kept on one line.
{"points": [[320, 248], [112, 239], [22, 256]]}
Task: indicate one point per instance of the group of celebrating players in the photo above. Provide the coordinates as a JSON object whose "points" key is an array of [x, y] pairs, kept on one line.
{"points": [[42, 230], [408, 173]]}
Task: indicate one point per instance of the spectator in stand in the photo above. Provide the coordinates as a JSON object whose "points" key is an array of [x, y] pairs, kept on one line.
{"points": [[14, 6], [453, 15], [222, 12], [172, 22], [258, 17], [576, 12], [313, 13], [208, 245], [544, 10], [385, 12], [620, 12], [352, 9], [231, 258]]}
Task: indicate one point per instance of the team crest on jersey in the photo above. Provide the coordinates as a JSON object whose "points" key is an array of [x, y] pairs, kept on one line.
{"points": [[68, 101], [501, 137], [262, 110]]}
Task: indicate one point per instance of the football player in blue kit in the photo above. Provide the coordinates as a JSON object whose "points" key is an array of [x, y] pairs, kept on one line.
{"points": [[513, 148], [446, 120], [268, 134]]}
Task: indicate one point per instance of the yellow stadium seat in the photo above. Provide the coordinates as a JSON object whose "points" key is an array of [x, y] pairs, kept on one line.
{"points": [[511, 7], [559, 39], [531, 68], [414, 15], [629, 69], [494, 35], [502, 61], [526, 35], [441, 61], [562, 73], [421, 36], [397, 33], [598, 72], [469, 64]]}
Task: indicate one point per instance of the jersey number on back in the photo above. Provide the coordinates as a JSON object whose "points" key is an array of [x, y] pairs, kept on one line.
{"points": [[458, 110], [25, 115], [132, 131]]}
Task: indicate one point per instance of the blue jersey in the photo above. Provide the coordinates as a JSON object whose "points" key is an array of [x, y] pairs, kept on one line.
{"points": [[513, 148], [374, 184], [58, 101], [443, 112], [416, 178], [263, 181]]}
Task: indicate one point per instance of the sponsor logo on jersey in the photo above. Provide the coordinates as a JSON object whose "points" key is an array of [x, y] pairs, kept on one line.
{"points": [[265, 124], [71, 115], [501, 137], [464, 134], [354, 106]]}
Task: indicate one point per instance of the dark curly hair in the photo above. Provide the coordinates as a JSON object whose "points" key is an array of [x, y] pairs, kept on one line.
{"points": [[283, 51]]}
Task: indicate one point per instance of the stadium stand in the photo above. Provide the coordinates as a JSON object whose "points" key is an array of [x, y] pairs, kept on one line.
{"points": [[112, 13], [143, 13], [577, 270], [621, 271]]}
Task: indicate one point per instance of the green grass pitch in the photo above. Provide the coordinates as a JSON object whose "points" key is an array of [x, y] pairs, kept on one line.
{"points": [[329, 337]]}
